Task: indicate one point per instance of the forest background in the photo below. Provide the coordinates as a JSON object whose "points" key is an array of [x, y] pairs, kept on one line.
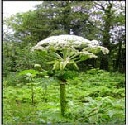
{"points": [[103, 21]]}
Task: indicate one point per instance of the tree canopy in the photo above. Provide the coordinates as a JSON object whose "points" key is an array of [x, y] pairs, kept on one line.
{"points": [[100, 20]]}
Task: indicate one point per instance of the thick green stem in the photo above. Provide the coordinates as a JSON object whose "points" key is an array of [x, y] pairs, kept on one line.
{"points": [[62, 98]]}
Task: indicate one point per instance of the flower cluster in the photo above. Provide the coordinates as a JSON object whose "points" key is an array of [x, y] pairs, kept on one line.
{"points": [[104, 50], [66, 40]]}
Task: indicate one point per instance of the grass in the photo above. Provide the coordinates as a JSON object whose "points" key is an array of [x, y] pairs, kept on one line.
{"points": [[93, 97]]}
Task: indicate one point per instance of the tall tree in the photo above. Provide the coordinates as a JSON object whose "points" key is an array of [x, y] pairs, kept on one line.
{"points": [[107, 20], [53, 18]]}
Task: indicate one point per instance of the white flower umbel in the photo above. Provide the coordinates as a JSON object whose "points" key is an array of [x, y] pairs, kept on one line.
{"points": [[72, 41], [62, 40]]}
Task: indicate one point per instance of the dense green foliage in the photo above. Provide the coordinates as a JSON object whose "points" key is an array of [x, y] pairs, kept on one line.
{"points": [[93, 97], [31, 88]]}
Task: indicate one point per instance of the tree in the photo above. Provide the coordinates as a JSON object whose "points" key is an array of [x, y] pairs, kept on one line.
{"points": [[120, 38], [28, 27], [110, 16], [52, 18]]}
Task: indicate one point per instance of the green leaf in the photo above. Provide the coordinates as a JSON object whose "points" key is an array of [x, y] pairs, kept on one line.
{"points": [[32, 71], [56, 65]]}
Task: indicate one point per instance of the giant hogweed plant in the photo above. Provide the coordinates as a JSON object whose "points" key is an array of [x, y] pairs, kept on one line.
{"points": [[67, 50]]}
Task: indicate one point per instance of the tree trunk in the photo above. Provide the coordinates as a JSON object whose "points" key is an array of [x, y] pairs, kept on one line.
{"points": [[104, 62], [106, 35], [118, 59]]}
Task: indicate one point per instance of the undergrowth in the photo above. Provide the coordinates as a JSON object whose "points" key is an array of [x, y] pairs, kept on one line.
{"points": [[92, 97]]}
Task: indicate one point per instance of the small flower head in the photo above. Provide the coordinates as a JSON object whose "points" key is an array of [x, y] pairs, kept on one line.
{"points": [[37, 65], [28, 74], [104, 50]]}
